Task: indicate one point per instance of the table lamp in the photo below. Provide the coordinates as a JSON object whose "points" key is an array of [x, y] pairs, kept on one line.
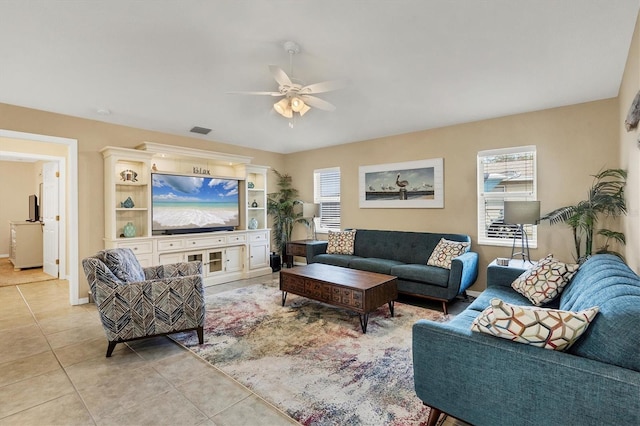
{"points": [[311, 210]]}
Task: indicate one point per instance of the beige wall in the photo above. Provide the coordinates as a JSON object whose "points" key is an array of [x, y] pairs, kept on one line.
{"points": [[572, 142], [93, 136], [630, 151], [17, 182]]}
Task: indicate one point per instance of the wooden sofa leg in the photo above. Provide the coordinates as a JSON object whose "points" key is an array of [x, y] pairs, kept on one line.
{"points": [[200, 335], [110, 348], [434, 415], [444, 307]]}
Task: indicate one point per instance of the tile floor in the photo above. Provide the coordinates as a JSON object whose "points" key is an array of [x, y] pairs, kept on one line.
{"points": [[53, 371]]}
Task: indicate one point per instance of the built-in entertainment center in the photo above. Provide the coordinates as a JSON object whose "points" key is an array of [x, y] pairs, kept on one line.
{"points": [[174, 204]]}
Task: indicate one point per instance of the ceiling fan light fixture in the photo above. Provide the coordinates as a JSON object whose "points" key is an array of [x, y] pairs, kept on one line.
{"points": [[282, 106], [304, 109], [297, 104]]}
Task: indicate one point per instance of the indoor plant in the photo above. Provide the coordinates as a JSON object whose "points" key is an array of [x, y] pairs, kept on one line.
{"points": [[605, 198], [281, 206]]}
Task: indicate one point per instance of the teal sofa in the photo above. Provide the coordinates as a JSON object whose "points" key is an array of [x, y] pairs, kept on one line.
{"points": [[404, 255], [486, 380]]}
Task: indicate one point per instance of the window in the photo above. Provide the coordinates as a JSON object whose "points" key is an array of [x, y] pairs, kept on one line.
{"points": [[505, 174], [326, 192]]}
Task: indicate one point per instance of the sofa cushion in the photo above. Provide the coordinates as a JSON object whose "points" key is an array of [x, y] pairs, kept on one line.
{"points": [[541, 327], [123, 263], [445, 251], [422, 273], [381, 266], [545, 281], [606, 281], [334, 259], [341, 242]]}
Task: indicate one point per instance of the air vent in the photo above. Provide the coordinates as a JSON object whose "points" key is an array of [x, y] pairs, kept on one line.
{"points": [[200, 130]]}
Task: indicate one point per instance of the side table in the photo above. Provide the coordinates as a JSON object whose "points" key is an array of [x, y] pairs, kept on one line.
{"points": [[504, 275], [296, 248]]}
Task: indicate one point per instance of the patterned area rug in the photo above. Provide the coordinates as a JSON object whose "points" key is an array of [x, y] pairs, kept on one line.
{"points": [[8, 276], [311, 360]]}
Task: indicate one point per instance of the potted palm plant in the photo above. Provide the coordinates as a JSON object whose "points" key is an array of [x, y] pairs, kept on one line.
{"points": [[605, 198], [281, 206]]}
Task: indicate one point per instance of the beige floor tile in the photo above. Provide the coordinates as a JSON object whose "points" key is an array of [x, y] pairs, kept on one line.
{"points": [[156, 348], [86, 350], [169, 408], [252, 411], [31, 392], [24, 368], [77, 318], [25, 342], [14, 309], [75, 335], [213, 392], [182, 368], [66, 410], [95, 371], [122, 391], [22, 320]]}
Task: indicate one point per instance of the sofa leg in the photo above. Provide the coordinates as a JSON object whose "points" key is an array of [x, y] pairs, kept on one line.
{"points": [[110, 348], [200, 335], [444, 307], [434, 415]]}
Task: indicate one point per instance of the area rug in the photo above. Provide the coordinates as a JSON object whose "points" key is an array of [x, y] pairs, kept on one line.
{"points": [[8, 276], [311, 360]]}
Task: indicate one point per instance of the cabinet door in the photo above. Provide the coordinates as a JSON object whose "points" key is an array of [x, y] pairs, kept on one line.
{"points": [[258, 255], [233, 259], [167, 258]]}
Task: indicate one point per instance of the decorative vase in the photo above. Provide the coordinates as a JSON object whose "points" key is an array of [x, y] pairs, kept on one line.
{"points": [[128, 203], [250, 185], [129, 230], [253, 223], [254, 204]]}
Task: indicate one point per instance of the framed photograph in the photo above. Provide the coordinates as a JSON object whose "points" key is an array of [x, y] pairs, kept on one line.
{"points": [[411, 184]]}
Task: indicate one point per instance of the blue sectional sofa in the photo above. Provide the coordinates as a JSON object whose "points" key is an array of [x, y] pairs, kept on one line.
{"points": [[486, 380], [405, 255]]}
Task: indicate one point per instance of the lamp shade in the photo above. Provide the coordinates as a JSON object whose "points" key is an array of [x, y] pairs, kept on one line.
{"points": [[521, 212], [310, 210]]}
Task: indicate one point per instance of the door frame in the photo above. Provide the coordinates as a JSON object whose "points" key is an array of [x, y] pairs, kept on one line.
{"points": [[67, 206]]}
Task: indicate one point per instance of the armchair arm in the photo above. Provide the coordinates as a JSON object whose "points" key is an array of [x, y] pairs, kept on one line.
{"points": [[464, 271], [485, 380], [502, 276], [181, 269], [315, 248]]}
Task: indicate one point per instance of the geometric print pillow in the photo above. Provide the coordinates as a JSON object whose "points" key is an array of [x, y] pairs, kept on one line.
{"points": [[341, 242], [545, 281], [445, 251], [544, 328], [123, 263]]}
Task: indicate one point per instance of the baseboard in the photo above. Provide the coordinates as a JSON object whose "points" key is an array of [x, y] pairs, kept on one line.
{"points": [[83, 301], [2, 256]]}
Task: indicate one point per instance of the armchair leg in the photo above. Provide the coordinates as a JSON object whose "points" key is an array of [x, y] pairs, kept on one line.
{"points": [[200, 335], [434, 415], [110, 348], [444, 307]]}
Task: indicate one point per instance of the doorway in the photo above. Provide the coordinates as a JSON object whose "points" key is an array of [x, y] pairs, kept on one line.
{"points": [[67, 200]]}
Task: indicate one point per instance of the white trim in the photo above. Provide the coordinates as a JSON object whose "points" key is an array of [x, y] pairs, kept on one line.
{"points": [[68, 203]]}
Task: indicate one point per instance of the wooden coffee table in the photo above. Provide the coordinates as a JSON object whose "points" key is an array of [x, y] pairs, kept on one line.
{"points": [[359, 291]]}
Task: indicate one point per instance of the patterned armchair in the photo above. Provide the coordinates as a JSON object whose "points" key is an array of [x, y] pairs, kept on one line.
{"points": [[136, 302]]}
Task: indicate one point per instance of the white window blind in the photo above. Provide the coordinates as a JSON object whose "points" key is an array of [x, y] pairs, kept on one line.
{"points": [[326, 192], [505, 175]]}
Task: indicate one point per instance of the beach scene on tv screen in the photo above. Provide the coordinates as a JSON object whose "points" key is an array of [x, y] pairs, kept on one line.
{"points": [[186, 202]]}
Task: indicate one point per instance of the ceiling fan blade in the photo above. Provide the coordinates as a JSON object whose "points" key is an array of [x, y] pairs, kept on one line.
{"points": [[325, 86], [256, 93], [281, 77], [318, 103]]}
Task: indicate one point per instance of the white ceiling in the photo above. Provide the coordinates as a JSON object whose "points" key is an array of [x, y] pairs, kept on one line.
{"points": [[411, 65]]}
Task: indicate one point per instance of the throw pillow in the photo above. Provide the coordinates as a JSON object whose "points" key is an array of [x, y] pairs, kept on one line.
{"points": [[341, 242], [123, 263], [544, 328], [545, 281], [445, 251]]}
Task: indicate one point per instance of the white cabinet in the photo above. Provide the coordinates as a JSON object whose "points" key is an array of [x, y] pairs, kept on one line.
{"points": [[25, 244], [233, 258], [256, 197], [258, 255]]}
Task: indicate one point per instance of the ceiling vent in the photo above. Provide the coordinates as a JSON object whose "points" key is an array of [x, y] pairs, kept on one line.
{"points": [[200, 130]]}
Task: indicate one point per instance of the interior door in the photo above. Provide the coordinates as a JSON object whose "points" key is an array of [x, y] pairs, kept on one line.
{"points": [[50, 217]]}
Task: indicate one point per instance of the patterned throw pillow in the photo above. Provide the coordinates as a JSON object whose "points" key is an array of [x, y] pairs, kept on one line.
{"points": [[545, 281], [544, 328], [123, 263], [445, 251], [341, 242]]}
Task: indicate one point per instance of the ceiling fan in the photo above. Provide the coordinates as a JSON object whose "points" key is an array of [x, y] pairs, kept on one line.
{"points": [[297, 97]]}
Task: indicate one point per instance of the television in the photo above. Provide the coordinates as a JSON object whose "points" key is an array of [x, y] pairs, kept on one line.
{"points": [[33, 209], [183, 204]]}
